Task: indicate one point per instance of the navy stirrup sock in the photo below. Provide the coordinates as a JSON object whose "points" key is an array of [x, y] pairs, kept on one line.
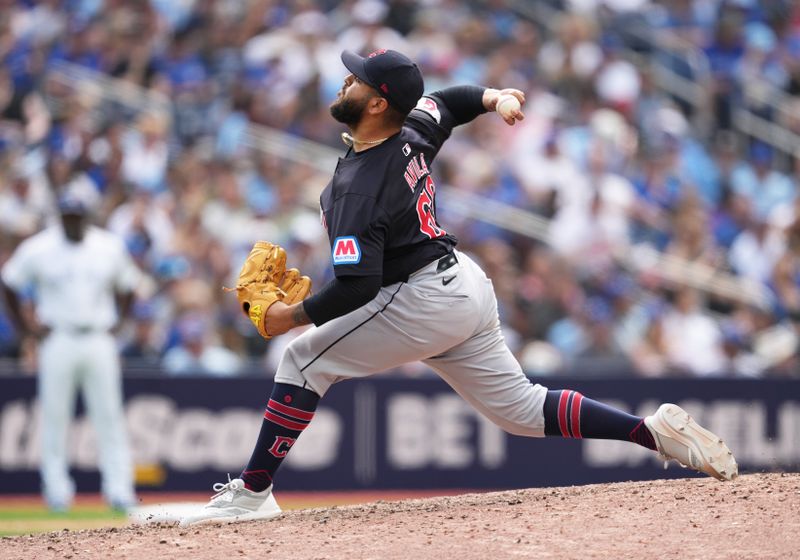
{"points": [[289, 411], [570, 414]]}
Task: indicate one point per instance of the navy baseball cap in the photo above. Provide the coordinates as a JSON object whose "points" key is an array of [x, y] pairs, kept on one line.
{"points": [[394, 75]]}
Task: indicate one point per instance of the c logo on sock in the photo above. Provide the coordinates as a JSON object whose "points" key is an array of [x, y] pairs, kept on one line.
{"points": [[281, 446]]}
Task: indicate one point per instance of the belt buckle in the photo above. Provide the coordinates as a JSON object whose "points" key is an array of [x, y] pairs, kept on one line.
{"points": [[446, 262]]}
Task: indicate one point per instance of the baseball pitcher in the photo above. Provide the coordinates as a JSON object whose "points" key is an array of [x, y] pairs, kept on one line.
{"points": [[402, 292]]}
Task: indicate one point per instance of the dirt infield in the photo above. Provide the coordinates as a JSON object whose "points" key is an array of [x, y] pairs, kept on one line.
{"points": [[758, 516]]}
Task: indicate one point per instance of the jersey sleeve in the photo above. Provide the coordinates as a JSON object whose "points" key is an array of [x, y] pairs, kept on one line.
{"points": [[340, 296], [357, 228], [438, 113], [19, 272]]}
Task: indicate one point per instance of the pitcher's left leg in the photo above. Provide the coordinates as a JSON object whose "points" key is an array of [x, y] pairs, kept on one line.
{"points": [[396, 327], [401, 325]]}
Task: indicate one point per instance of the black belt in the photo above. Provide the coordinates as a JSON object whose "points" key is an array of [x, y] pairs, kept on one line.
{"points": [[78, 329], [446, 262]]}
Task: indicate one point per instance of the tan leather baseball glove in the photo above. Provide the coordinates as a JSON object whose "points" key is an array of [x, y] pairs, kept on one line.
{"points": [[264, 280]]}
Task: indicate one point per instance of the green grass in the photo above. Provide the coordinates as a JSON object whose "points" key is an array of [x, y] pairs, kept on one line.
{"points": [[25, 520]]}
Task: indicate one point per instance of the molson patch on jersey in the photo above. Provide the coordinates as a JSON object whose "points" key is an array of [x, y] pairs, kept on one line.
{"points": [[346, 250]]}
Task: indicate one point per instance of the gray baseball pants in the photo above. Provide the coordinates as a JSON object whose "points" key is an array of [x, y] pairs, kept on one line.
{"points": [[446, 319]]}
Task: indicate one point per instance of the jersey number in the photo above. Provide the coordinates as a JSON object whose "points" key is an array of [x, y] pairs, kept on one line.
{"points": [[427, 219]]}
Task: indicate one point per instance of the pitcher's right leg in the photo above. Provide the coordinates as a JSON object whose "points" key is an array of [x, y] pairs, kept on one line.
{"points": [[485, 373]]}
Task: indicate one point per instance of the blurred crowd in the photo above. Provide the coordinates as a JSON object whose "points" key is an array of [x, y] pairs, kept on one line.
{"points": [[612, 161]]}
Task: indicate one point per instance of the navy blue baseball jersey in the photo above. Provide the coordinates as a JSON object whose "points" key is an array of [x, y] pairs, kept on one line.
{"points": [[380, 207]]}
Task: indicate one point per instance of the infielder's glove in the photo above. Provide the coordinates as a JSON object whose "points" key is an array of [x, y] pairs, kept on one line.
{"points": [[264, 280]]}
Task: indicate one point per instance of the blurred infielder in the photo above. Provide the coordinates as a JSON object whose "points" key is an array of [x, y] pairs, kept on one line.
{"points": [[403, 293], [76, 272]]}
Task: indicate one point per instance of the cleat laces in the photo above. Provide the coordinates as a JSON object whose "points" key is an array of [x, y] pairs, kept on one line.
{"points": [[226, 491]]}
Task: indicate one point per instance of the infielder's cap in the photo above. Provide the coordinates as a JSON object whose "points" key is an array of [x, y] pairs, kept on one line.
{"points": [[394, 75], [71, 205]]}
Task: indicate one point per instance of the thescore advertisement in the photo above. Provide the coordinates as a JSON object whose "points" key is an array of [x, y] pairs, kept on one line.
{"points": [[391, 432]]}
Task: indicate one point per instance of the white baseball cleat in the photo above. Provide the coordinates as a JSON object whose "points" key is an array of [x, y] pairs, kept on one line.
{"points": [[679, 437], [233, 502]]}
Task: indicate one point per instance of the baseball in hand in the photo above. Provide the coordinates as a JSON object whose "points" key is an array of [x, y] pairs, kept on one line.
{"points": [[509, 108]]}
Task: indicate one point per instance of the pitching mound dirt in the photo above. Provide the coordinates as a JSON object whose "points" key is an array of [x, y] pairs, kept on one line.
{"points": [[757, 516]]}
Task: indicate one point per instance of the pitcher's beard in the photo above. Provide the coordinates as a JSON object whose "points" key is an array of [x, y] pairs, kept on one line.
{"points": [[348, 111]]}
